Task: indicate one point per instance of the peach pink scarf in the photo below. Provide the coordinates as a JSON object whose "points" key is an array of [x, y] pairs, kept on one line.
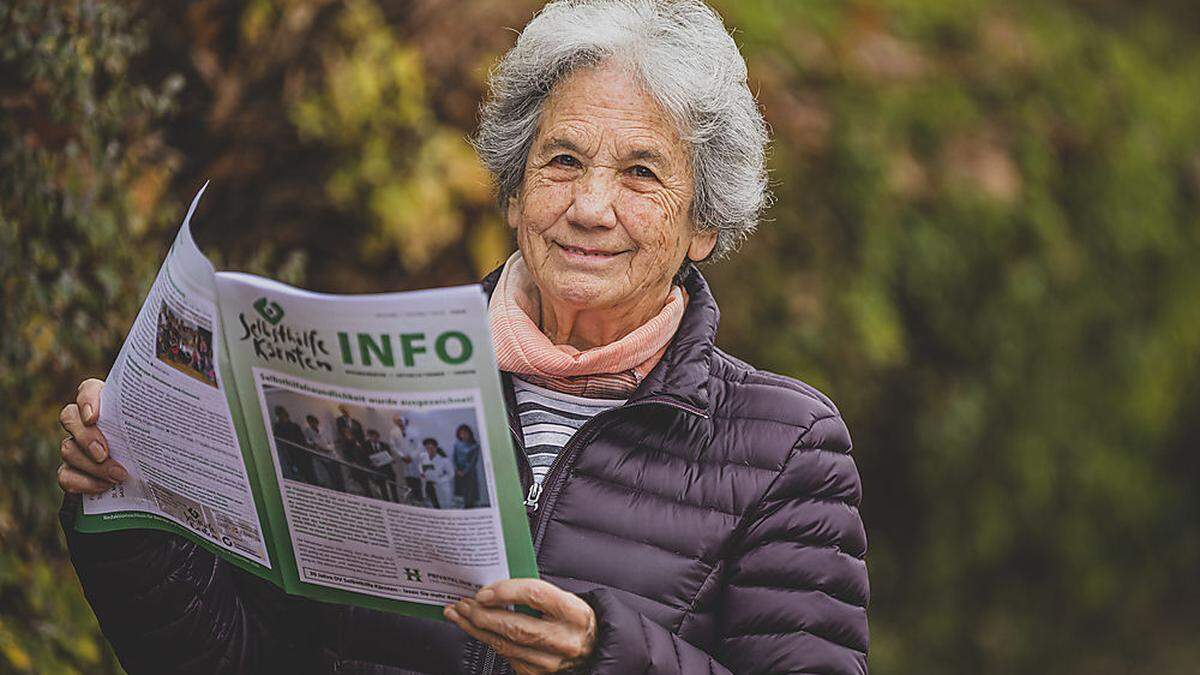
{"points": [[609, 371]]}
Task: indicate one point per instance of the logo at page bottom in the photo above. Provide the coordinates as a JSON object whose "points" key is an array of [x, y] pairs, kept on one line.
{"points": [[270, 311]]}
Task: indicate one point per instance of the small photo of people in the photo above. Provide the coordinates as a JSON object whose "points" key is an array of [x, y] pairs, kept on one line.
{"points": [[185, 345], [426, 458]]}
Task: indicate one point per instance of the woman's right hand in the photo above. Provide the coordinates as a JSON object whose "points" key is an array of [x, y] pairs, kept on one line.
{"points": [[86, 467]]}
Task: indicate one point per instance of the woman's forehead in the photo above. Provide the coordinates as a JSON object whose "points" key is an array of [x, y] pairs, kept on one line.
{"points": [[607, 105]]}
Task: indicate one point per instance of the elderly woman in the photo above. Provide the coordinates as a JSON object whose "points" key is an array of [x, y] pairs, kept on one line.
{"points": [[691, 513]]}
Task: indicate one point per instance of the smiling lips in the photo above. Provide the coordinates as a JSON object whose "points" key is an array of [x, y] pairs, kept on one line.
{"points": [[580, 252]]}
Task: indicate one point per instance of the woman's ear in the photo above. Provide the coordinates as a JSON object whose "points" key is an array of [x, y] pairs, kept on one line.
{"points": [[702, 245], [513, 211]]}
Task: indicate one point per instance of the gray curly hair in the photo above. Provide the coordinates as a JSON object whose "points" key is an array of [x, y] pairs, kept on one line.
{"points": [[686, 60]]}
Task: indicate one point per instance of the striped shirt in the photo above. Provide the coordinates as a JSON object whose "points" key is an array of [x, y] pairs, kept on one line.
{"points": [[549, 419]]}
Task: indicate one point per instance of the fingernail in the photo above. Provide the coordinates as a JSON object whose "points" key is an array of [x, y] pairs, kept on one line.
{"points": [[485, 595], [118, 473], [87, 412], [450, 613], [97, 451]]}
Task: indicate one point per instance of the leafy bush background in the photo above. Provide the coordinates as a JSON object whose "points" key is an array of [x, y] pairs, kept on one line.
{"points": [[984, 249]]}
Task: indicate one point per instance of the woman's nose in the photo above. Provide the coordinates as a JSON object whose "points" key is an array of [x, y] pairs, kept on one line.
{"points": [[594, 200]]}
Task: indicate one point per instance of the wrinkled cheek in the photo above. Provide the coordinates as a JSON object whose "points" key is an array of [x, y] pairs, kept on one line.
{"points": [[653, 228], [545, 203]]}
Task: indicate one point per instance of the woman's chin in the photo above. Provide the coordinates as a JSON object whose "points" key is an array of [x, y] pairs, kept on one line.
{"points": [[582, 291]]}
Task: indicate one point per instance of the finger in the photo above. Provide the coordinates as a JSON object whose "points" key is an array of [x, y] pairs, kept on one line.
{"points": [[569, 642], [75, 458], [88, 437], [87, 397], [531, 660], [519, 628], [540, 595], [526, 668], [78, 482]]}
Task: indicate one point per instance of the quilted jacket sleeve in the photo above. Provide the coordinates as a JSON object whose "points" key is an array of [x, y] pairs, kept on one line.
{"points": [[795, 591], [167, 605]]}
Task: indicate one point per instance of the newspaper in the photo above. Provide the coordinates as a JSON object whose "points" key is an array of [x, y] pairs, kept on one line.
{"points": [[349, 448]]}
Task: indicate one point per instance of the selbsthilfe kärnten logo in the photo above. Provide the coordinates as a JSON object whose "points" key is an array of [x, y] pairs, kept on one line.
{"points": [[270, 311]]}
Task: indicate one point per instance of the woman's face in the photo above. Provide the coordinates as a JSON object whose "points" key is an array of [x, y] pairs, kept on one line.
{"points": [[603, 216]]}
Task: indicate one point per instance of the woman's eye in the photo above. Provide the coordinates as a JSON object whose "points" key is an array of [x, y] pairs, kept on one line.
{"points": [[565, 160], [642, 172]]}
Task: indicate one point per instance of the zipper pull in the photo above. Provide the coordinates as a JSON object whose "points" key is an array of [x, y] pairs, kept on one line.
{"points": [[535, 493]]}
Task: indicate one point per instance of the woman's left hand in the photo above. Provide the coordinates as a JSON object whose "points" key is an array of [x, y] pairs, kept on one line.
{"points": [[561, 639]]}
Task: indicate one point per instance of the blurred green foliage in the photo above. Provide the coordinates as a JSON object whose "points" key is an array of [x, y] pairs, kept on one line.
{"points": [[79, 150], [984, 249]]}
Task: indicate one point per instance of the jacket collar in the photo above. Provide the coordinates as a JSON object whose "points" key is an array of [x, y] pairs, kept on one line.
{"points": [[682, 373]]}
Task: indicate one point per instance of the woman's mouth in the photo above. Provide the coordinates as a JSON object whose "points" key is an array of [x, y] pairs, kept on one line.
{"points": [[585, 256], [591, 252]]}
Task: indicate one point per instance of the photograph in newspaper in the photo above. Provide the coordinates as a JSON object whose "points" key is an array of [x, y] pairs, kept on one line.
{"points": [[424, 458], [186, 345], [384, 493]]}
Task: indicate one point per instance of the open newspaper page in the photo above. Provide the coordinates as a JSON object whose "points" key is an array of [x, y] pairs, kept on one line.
{"points": [[166, 412], [378, 426]]}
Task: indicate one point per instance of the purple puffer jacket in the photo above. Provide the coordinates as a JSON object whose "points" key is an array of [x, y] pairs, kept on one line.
{"points": [[711, 522]]}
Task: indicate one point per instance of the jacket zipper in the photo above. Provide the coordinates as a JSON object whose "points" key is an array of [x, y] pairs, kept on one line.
{"points": [[535, 493], [566, 458]]}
